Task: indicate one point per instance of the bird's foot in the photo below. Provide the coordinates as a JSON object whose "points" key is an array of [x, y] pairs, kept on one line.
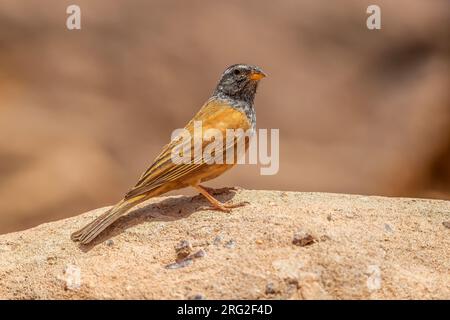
{"points": [[225, 207], [216, 204]]}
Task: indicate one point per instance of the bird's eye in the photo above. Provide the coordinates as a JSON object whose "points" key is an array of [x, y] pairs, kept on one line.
{"points": [[236, 72]]}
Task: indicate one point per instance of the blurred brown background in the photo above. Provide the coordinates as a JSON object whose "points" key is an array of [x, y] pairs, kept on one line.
{"points": [[82, 113]]}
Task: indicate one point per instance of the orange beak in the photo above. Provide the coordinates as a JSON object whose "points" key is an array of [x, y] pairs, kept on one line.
{"points": [[256, 75]]}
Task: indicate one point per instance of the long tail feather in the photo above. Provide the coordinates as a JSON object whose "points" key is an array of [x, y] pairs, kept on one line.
{"points": [[93, 229]]}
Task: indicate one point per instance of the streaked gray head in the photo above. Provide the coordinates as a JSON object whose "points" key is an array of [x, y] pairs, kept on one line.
{"points": [[239, 82]]}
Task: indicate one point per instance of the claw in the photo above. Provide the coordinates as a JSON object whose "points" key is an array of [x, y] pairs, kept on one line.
{"points": [[236, 205], [225, 207]]}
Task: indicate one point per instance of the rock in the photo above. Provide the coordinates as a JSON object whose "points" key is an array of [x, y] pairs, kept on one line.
{"points": [[110, 242], [302, 239], [217, 240], [356, 263], [183, 249], [184, 258], [230, 244], [374, 279], [383, 90], [71, 277], [271, 288], [388, 228], [179, 264], [51, 260]]}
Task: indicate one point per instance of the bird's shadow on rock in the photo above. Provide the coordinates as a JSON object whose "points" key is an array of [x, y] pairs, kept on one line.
{"points": [[170, 209]]}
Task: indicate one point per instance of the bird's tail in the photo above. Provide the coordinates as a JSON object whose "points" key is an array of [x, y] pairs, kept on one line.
{"points": [[93, 229]]}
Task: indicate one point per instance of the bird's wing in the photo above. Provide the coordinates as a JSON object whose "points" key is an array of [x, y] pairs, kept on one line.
{"points": [[213, 114]]}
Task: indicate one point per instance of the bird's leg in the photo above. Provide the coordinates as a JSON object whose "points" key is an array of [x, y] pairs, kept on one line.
{"points": [[216, 204], [213, 191]]}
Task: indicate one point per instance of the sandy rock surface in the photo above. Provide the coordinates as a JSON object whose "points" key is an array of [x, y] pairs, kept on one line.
{"points": [[283, 245]]}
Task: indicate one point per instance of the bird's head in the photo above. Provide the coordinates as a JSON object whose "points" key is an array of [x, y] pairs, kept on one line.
{"points": [[239, 82]]}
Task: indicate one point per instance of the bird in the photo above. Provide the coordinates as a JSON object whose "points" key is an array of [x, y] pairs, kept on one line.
{"points": [[231, 106]]}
